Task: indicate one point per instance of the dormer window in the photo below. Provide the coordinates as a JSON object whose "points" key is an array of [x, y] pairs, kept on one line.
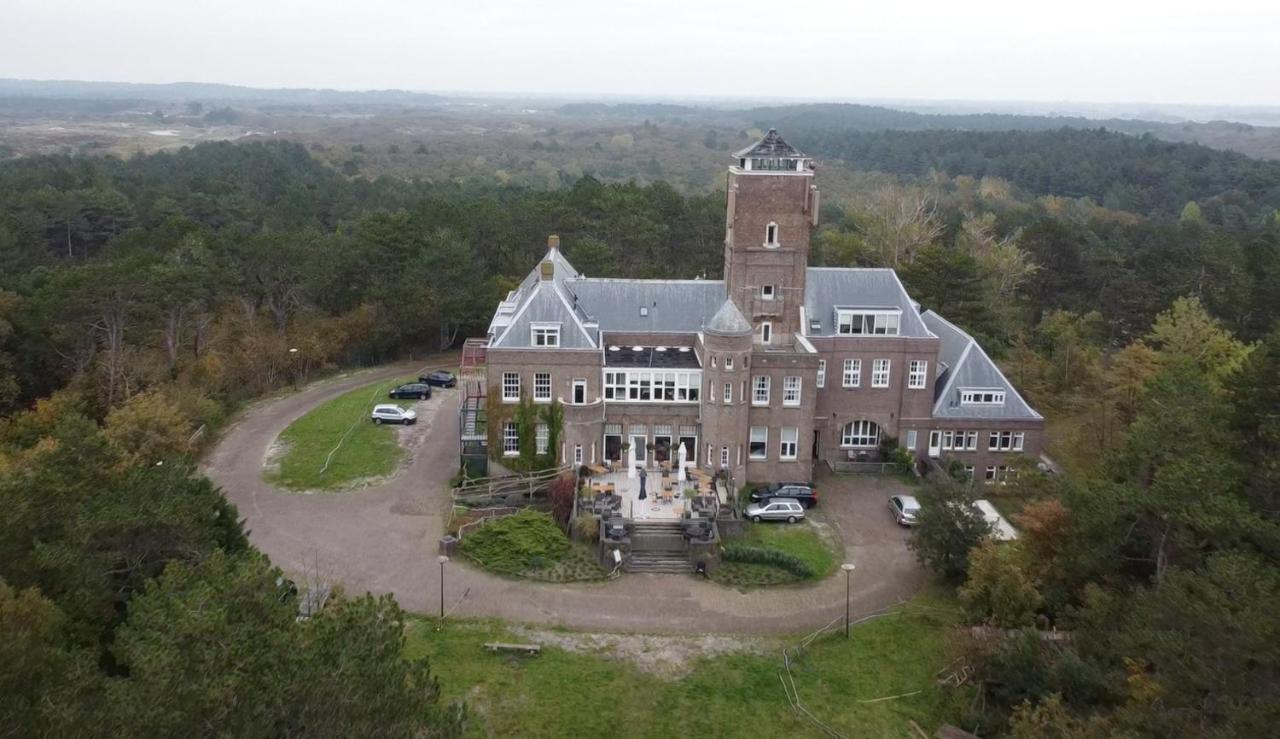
{"points": [[771, 235], [545, 334], [768, 292], [981, 396], [863, 322]]}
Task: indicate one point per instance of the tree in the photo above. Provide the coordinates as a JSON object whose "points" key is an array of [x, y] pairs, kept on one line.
{"points": [[898, 221], [999, 591], [1186, 332], [1255, 394], [947, 527], [50, 687], [148, 429]]}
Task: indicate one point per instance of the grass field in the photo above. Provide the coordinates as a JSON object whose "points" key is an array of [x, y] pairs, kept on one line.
{"points": [[368, 451], [802, 540], [563, 693]]}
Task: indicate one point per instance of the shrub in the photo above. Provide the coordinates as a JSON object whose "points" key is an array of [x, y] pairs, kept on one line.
{"points": [[748, 554], [560, 494], [587, 528], [516, 542]]}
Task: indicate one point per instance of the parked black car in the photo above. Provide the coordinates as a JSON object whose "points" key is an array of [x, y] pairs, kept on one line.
{"points": [[439, 378], [417, 390], [801, 491]]}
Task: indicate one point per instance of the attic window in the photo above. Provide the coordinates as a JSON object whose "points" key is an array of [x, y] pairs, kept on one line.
{"points": [[545, 334], [815, 324], [771, 235], [868, 322], [981, 396], [644, 311]]}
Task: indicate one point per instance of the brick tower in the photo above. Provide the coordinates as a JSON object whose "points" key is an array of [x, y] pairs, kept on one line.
{"points": [[772, 204]]}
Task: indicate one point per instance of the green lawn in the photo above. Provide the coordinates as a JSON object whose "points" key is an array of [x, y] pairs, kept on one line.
{"points": [[802, 540], [560, 693], [368, 451]]}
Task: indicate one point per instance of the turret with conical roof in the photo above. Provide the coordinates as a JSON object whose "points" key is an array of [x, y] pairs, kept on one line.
{"points": [[728, 321]]}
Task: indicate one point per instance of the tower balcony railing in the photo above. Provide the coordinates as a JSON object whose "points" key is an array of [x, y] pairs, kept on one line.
{"points": [[767, 307]]}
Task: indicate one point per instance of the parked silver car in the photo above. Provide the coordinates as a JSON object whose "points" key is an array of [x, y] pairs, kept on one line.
{"points": [[777, 509], [390, 413], [904, 508]]}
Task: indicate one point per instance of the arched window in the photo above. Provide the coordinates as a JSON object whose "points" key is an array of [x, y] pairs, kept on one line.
{"points": [[860, 434], [771, 234]]}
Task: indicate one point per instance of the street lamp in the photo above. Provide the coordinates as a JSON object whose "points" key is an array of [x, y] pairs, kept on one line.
{"points": [[442, 559], [848, 570]]}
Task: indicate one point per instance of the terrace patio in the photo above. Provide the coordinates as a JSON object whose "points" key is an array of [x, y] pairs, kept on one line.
{"points": [[666, 497]]}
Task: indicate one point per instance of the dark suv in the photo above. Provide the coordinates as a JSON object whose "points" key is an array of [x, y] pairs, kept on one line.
{"points": [[801, 491], [412, 390]]}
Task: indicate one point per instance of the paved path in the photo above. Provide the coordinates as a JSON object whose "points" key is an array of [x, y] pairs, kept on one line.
{"points": [[383, 539]]}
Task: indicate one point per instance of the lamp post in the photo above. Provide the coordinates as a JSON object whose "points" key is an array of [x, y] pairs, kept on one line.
{"points": [[848, 570], [442, 559]]}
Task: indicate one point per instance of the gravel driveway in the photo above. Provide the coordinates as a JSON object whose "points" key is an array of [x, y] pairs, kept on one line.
{"points": [[383, 538]]}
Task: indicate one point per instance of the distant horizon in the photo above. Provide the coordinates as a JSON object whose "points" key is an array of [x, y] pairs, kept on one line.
{"points": [[718, 99]]}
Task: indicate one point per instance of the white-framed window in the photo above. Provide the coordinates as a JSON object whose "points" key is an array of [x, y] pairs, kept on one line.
{"points": [[713, 361], [768, 292], [542, 387], [771, 234], [918, 374], [766, 332], [968, 471], [653, 386], [790, 442], [1005, 441], [544, 334], [981, 396], [724, 456], [543, 433], [991, 475], [791, 391], [728, 392], [759, 447], [880, 373], [868, 322], [710, 451], [760, 390], [577, 454], [822, 373], [852, 373], [739, 455], [510, 440], [911, 440], [579, 390], [510, 387], [728, 362], [860, 434], [971, 441]]}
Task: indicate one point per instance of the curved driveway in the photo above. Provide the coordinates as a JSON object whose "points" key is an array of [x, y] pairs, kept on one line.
{"points": [[383, 539]]}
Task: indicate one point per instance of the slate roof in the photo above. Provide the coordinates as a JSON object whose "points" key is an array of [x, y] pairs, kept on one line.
{"points": [[674, 306], [728, 321], [968, 366], [771, 145], [828, 288]]}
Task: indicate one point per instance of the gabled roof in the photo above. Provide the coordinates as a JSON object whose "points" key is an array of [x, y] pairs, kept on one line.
{"points": [[542, 301], [671, 306], [968, 366], [771, 145], [728, 321], [828, 288]]}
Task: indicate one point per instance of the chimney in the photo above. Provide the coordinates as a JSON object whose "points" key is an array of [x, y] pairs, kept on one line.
{"points": [[553, 242], [548, 269]]}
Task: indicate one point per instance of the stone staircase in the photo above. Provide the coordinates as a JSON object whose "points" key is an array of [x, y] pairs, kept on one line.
{"points": [[658, 547]]}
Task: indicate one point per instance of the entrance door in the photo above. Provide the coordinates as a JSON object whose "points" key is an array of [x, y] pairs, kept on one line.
{"points": [[662, 448], [935, 444], [637, 445], [613, 447]]}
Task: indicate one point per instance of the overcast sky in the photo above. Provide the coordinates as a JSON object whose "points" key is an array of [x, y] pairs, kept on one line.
{"points": [[1170, 51]]}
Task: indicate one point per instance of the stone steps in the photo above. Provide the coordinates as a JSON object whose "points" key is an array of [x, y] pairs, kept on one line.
{"points": [[659, 563]]}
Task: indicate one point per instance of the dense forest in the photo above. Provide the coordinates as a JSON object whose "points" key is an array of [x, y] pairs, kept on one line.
{"points": [[1129, 286]]}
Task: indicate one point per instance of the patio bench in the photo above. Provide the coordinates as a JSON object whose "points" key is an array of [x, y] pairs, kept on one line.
{"points": [[497, 646]]}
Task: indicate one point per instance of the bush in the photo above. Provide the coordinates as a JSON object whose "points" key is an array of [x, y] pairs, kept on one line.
{"points": [[748, 554], [517, 542], [587, 528]]}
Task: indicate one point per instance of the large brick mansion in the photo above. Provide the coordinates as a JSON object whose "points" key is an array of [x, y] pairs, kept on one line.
{"points": [[762, 374]]}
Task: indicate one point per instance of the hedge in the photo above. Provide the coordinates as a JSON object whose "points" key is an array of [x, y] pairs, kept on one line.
{"points": [[766, 556]]}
